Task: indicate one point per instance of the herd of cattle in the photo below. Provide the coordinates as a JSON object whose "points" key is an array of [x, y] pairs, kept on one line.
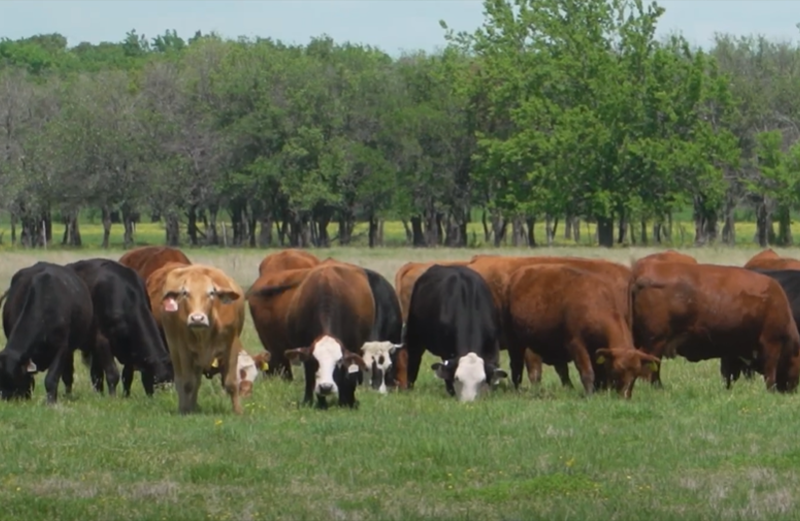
{"points": [[174, 321]]}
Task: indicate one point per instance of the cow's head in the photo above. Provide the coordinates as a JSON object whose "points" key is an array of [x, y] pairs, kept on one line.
{"points": [[16, 376], [378, 359], [249, 368], [192, 296], [470, 375], [624, 365], [334, 364]]}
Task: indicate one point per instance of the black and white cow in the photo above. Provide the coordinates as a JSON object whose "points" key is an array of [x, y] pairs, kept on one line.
{"points": [[380, 352], [47, 316], [452, 315]]}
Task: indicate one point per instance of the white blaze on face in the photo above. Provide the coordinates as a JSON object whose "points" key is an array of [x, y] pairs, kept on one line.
{"points": [[379, 354], [469, 378], [328, 352]]}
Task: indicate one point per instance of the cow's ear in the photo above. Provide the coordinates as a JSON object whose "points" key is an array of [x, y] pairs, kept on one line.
{"points": [[443, 370], [350, 359], [170, 301], [301, 354], [649, 361], [227, 296], [495, 374], [31, 367], [395, 347]]}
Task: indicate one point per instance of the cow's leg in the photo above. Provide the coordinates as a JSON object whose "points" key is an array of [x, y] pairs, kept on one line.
{"points": [[127, 379], [770, 363], [231, 387], [68, 375], [184, 380], [584, 365], [280, 365], [401, 369], [103, 363], [563, 374], [148, 382], [97, 374], [729, 369], [516, 357], [414, 361], [54, 374], [533, 364], [308, 395]]}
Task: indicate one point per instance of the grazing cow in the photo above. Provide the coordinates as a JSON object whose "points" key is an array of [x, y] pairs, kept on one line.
{"points": [[496, 270], [125, 323], [407, 276], [290, 259], [733, 367], [769, 260], [452, 315], [202, 312], [47, 317], [330, 313], [702, 312], [565, 314], [380, 353], [247, 370], [147, 259]]}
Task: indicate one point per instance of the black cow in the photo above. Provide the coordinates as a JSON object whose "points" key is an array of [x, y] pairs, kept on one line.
{"points": [[731, 368], [380, 352], [126, 328], [452, 315], [47, 316]]}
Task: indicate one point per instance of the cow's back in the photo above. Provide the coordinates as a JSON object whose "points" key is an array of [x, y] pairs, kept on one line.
{"points": [[147, 259], [291, 259], [408, 274], [334, 300]]}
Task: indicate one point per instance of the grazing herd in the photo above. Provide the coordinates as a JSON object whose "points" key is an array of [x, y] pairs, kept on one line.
{"points": [[156, 312]]}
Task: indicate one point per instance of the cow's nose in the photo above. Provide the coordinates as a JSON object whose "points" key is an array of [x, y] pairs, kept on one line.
{"points": [[198, 319], [325, 389]]}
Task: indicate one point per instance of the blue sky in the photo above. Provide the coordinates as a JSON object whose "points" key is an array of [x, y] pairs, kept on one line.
{"points": [[389, 24]]}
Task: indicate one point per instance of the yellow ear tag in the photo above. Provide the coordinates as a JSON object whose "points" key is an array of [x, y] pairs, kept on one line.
{"points": [[653, 366], [601, 359], [264, 366], [215, 363]]}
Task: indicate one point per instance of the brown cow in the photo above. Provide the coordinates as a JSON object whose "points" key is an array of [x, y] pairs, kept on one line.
{"points": [[408, 274], [769, 260], [202, 312], [496, 270], [702, 312], [321, 317], [290, 259], [569, 314], [667, 256], [147, 259]]}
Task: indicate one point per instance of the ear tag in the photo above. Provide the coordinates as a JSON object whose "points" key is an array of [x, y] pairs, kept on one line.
{"points": [[170, 305], [264, 366], [653, 366], [601, 359], [215, 363], [353, 369]]}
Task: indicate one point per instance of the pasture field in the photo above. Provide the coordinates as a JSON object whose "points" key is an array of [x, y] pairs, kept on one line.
{"points": [[690, 451]]}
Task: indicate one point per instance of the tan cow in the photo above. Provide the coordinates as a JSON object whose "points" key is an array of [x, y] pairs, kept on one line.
{"points": [[290, 259], [202, 312], [408, 274], [769, 260]]}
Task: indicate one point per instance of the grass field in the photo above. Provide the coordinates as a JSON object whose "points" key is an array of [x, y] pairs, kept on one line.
{"points": [[691, 451]]}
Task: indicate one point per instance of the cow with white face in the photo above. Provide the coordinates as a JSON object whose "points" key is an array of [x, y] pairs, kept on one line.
{"points": [[330, 313], [378, 360], [470, 375], [452, 315], [331, 370]]}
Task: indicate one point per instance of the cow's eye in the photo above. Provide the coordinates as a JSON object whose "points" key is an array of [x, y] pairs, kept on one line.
{"points": [[184, 293]]}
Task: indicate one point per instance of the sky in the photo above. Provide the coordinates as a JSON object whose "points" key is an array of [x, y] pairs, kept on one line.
{"points": [[392, 25]]}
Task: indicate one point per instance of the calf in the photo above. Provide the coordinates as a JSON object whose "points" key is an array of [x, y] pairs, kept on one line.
{"points": [[565, 314], [124, 319], [330, 313], [48, 315], [452, 314], [702, 312]]}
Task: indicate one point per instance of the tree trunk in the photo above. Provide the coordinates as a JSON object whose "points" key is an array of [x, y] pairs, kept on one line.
{"points": [[487, 232], [643, 232], [518, 234], [212, 236], [106, 216], [14, 221], [622, 230], [191, 224], [173, 229], [499, 227], [605, 231], [762, 224], [265, 235], [531, 225], [252, 222], [127, 224], [373, 230], [550, 228], [784, 237], [323, 237], [418, 237], [409, 232]]}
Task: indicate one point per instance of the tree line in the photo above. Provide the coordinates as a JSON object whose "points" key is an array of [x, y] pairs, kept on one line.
{"points": [[554, 111]]}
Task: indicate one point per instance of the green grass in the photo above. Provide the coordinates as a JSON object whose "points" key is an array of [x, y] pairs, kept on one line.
{"points": [[690, 451]]}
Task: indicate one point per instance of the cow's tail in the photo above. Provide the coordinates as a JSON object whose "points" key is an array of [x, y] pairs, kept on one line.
{"points": [[631, 290], [270, 291]]}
